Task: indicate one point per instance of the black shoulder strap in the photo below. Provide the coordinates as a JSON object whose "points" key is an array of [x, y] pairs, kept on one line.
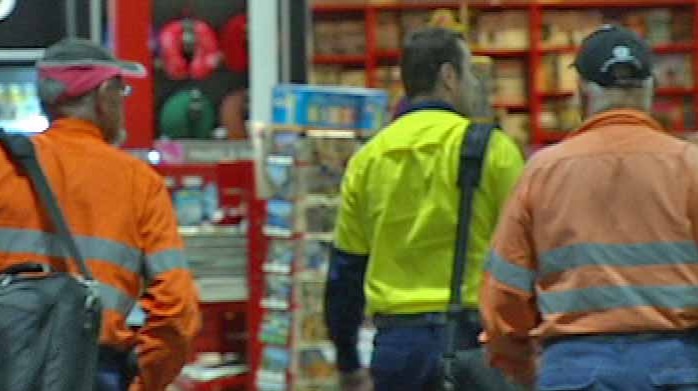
{"points": [[472, 156], [473, 153], [22, 152]]}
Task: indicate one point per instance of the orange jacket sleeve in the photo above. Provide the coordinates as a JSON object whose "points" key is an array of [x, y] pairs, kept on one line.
{"points": [[507, 297], [170, 299]]}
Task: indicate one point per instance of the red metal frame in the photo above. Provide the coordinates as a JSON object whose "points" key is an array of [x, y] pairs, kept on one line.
{"points": [[237, 176], [695, 56], [535, 59], [131, 23], [374, 57]]}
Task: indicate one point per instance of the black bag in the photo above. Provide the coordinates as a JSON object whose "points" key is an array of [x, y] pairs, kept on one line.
{"points": [[49, 321], [468, 370]]}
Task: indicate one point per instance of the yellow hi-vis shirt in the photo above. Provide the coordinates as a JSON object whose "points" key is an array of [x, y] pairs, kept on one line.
{"points": [[400, 208]]}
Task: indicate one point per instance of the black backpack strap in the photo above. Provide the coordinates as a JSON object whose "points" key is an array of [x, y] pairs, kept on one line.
{"points": [[22, 152], [472, 157]]}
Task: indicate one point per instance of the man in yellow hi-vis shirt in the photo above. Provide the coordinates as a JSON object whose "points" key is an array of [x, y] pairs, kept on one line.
{"points": [[396, 229]]}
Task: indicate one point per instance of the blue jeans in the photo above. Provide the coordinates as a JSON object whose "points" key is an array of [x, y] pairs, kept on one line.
{"points": [[408, 358], [649, 362]]}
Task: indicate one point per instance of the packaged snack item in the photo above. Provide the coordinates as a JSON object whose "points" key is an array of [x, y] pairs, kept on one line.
{"points": [[276, 327], [189, 201]]}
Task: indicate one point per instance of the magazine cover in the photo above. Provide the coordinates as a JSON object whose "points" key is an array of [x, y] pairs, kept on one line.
{"points": [[276, 327]]}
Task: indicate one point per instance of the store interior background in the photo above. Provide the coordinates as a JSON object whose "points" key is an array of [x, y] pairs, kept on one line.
{"points": [[244, 151]]}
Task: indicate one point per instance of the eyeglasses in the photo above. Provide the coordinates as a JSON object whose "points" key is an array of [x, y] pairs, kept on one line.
{"points": [[125, 90]]}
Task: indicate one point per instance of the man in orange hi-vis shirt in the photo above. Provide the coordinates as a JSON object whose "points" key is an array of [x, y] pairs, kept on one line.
{"points": [[119, 210], [593, 275]]}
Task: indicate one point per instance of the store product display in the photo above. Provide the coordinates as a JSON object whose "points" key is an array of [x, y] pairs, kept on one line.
{"points": [[329, 107], [277, 291], [281, 255], [189, 49], [319, 215], [345, 37], [188, 114], [280, 216], [312, 327], [315, 260], [196, 202], [276, 328], [280, 176], [234, 45], [233, 114], [301, 161], [317, 363]]}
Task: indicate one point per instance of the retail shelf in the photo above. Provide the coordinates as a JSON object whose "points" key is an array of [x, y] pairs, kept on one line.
{"points": [[213, 385], [510, 106], [315, 131], [533, 57], [388, 55], [20, 55], [416, 5], [615, 3], [430, 5], [675, 91], [339, 59], [682, 47], [559, 49], [555, 94], [496, 52], [491, 52], [229, 230], [338, 8]]}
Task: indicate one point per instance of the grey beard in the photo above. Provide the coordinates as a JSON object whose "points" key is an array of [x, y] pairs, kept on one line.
{"points": [[120, 138]]}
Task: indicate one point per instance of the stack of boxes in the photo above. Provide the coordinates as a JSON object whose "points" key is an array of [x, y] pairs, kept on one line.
{"points": [[346, 37], [510, 84], [502, 30]]}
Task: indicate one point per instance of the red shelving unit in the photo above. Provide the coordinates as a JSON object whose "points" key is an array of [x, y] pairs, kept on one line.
{"points": [[533, 55], [339, 59], [214, 385]]}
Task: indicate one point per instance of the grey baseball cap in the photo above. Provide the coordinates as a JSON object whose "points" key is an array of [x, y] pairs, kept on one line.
{"points": [[79, 52], [73, 67]]}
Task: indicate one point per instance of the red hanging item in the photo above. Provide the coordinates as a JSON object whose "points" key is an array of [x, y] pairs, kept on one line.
{"points": [[189, 49], [234, 43]]}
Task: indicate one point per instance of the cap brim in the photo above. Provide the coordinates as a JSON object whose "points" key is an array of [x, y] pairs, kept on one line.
{"points": [[126, 68], [132, 69]]}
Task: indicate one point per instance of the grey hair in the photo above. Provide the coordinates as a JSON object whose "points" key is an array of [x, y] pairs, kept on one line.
{"points": [[82, 107], [606, 98]]}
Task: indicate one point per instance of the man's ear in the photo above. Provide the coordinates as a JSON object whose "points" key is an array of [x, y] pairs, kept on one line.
{"points": [[448, 76], [102, 98]]}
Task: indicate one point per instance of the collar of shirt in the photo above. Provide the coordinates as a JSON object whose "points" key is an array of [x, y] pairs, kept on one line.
{"points": [[76, 128], [427, 105], [625, 117]]}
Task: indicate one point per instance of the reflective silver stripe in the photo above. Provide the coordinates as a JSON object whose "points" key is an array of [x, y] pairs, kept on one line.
{"points": [[114, 299], [42, 243], [510, 274], [644, 254], [606, 298], [164, 261]]}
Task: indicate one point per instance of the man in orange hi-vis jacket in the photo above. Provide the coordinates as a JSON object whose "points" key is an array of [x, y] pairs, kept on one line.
{"points": [[117, 207], [594, 267]]}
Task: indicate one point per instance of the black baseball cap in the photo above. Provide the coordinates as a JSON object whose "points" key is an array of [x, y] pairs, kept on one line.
{"points": [[614, 56]]}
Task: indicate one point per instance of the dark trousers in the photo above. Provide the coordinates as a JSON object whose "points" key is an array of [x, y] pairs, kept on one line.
{"points": [[407, 358], [113, 372]]}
